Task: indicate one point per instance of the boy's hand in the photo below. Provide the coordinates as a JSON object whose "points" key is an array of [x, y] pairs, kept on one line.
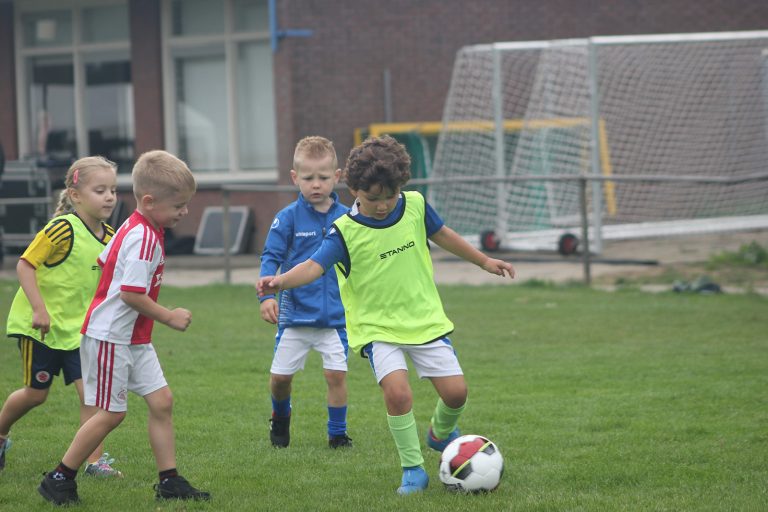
{"points": [[499, 267], [269, 311], [41, 320], [180, 319], [267, 285]]}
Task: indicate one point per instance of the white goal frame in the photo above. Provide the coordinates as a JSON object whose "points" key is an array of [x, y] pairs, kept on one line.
{"points": [[599, 167]]}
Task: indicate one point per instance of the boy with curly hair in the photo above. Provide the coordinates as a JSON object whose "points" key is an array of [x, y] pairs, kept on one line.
{"points": [[381, 253]]}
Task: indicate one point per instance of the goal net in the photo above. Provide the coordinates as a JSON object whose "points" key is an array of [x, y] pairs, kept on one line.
{"points": [[668, 130]]}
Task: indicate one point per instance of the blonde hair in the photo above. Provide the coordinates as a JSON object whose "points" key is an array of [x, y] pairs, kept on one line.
{"points": [[160, 174], [314, 147], [76, 175]]}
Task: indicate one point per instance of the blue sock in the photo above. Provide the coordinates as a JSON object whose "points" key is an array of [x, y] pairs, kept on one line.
{"points": [[281, 408], [337, 421]]}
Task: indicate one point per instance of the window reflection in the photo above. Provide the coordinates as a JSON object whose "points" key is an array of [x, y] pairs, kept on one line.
{"points": [[72, 78], [47, 28], [214, 131], [109, 104], [201, 111], [197, 17], [251, 15], [51, 108], [255, 106], [104, 23]]}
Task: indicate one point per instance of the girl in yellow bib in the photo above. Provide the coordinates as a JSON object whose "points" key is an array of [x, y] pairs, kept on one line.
{"points": [[381, 255], [58, 274]]}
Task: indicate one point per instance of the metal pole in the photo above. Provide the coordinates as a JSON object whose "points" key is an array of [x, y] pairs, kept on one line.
{"points": [[585, 256], [225, 235], [230, 84], [498, 118], [594, 145], [387, 79]]}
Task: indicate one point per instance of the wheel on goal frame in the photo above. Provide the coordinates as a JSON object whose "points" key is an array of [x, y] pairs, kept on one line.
{"points": [[567, 244], [489, 241]]}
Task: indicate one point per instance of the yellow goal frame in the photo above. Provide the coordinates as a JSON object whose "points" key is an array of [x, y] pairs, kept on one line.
{"points": [[435, 127]]}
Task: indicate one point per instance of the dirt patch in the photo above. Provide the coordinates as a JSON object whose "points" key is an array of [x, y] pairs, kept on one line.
{"points": [[729, 276], [649, 262], [687, 258]]}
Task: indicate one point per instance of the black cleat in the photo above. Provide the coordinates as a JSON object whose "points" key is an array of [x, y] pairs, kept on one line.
{"points": [[58, 492], [177, 488], [280, 431], [342, 441]]}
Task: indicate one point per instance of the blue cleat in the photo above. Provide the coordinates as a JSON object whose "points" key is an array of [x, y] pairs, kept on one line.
{"points": [[415, 480], [440, 444], [4, 447]]}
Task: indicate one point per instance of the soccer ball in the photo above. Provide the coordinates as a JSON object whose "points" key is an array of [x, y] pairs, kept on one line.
{"points": [[471, 464]]}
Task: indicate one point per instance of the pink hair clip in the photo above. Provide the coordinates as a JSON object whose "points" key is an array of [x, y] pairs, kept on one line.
{"points": [[75, 176]]}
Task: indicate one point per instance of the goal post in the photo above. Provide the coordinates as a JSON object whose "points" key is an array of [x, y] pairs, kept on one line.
{"points": [[659, 106], [512, 128]]}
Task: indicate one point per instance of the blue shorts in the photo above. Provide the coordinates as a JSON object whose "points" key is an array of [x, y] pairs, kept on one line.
{"points": [[40, 363]]}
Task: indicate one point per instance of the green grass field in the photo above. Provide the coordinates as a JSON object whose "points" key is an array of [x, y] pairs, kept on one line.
{"points": [[598, 401]]}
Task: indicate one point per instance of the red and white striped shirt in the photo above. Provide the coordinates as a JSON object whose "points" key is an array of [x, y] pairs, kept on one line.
{"points": [[132, 261]]}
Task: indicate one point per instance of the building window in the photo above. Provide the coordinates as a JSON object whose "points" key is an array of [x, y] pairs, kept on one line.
{"points": [[75, 91], [105, 23], [51, 98], [201, 108], [111, 126], [218, 76]]}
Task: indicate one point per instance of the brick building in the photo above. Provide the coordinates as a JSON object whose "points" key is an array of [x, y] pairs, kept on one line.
{"points": [[231, 85]]}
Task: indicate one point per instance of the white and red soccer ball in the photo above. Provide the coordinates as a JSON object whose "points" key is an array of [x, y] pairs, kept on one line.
{"points": [[471, 463]]}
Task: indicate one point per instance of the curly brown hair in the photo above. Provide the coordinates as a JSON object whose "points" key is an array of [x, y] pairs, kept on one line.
{"points": [[378, 161]]}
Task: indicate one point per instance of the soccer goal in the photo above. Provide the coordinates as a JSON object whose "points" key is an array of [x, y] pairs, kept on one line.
{"points": [[669, 131]]}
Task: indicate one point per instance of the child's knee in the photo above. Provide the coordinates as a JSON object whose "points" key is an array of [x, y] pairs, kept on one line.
{"points": [[455, 396], [459, 397], [160, 402], [114, 418], [108, 420], [455, 401], [399, 399], [452, 390], [165, 403], [281, 380], [335, 377], [36, 397]]}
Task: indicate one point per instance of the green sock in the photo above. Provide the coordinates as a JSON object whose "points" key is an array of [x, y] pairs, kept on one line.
{"points": [[445, 419], [406, 437]]}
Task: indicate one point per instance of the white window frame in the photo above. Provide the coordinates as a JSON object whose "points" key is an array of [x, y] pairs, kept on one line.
{"points": [[76, 50], [230, 39]]}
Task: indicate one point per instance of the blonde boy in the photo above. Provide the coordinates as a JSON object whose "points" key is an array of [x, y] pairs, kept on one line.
{"points": [[310, 317], [116, 350]]}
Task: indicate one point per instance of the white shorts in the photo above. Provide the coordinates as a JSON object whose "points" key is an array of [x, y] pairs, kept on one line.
{"points": [[110, 370], [292, 346], [434, 359]]}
